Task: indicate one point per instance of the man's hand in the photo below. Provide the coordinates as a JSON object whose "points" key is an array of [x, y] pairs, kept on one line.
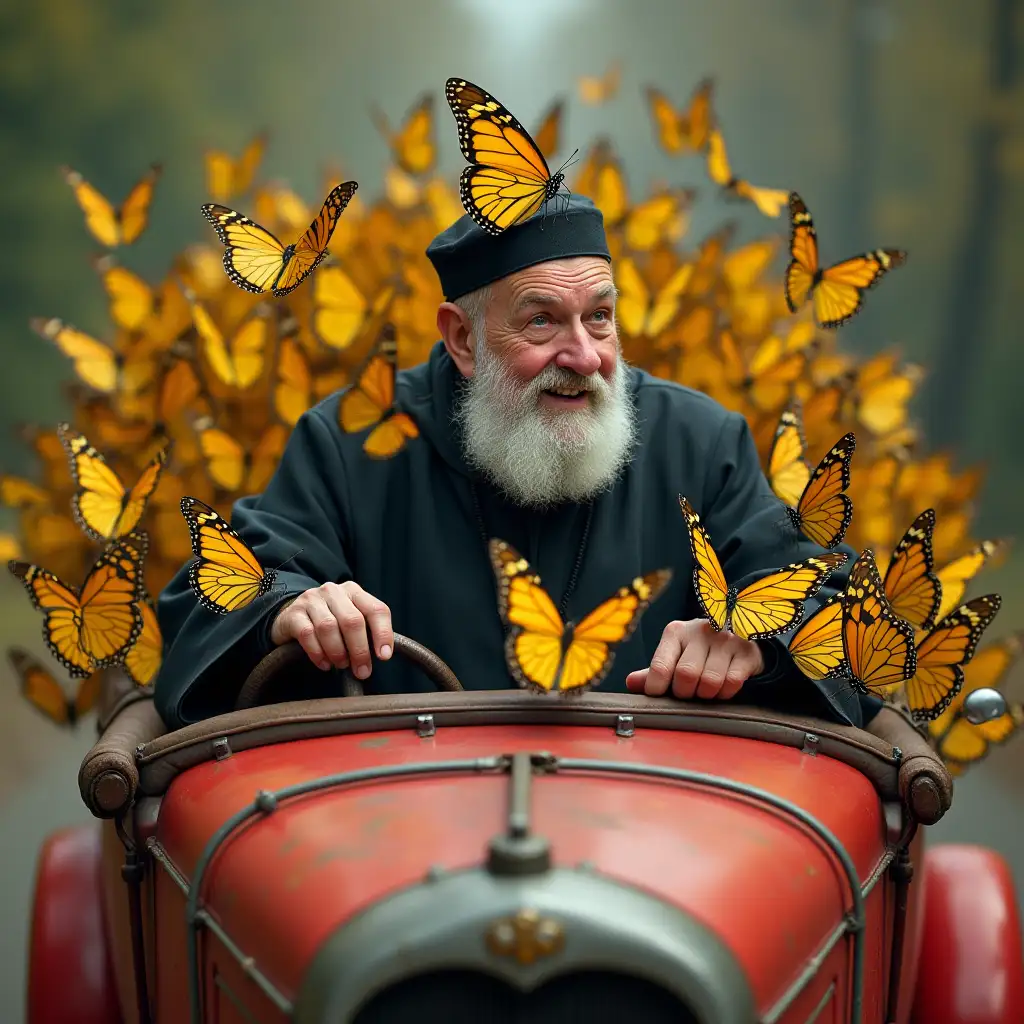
{"points": [[330, 623], [697, 661]]}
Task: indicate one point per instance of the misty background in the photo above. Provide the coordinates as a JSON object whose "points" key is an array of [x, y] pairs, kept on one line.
{"points": [[900, 123]]}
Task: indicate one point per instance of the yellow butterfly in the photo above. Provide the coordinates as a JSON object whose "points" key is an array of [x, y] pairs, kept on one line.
{"points": [[256, 260], [878, 645], [682, 132], [108, 226], [508, 179], [132, 300], [913, 589], [237, 467], [16, 492], [142, 662], [341, 310], [95, 363], [769, 201], [643, 311], [547, 137], [370, 402], [240, 362], [102, 506], [295, 388], [45, 694], [823, 512], [938, 674], [225, 576], [838, 291], [597, 89], [765, 608], [413, 145], [541, 651], [93, 627], [226, 176]]}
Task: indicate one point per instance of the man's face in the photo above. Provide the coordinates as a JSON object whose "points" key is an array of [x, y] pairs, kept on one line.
{"points": [[545, 413]]}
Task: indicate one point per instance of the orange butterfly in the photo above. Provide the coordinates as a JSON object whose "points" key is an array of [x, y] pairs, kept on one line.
{"points": [[370, 402], [682, 132], [913, 589], [46, 695]]}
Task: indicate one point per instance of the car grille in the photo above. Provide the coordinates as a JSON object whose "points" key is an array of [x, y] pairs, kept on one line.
{"points": [[469, 997]]}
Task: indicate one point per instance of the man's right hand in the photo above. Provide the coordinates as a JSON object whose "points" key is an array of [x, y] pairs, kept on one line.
{"points": [[330, 624]]}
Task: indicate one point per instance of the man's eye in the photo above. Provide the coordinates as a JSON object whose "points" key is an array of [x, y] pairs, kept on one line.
{"points": [[539, 320], [600, 314]]}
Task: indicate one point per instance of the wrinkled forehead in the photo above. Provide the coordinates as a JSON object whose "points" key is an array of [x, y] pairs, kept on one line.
{"points": [[575, 284]]}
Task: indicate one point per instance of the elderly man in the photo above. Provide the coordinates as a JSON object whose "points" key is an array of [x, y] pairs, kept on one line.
{"points": [[534, 430]]}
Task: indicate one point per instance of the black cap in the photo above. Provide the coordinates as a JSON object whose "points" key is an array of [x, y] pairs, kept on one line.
{"points": [[466, 257]]}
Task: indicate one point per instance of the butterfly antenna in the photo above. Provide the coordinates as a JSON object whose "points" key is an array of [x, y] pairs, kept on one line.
{"points": [[288, 559], [573, 159]]}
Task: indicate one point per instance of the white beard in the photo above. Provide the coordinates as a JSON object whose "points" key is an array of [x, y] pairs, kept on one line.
{"points": [[542, 459]]}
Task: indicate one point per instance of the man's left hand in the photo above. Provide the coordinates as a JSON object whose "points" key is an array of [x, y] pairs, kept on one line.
{"points": [[695, 660]]}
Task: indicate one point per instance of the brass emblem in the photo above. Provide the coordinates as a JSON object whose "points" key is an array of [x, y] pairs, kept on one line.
{"points": [[526, 936]]}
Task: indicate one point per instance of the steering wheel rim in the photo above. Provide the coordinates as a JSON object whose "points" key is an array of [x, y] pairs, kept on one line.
{"points": [[290, 656]]}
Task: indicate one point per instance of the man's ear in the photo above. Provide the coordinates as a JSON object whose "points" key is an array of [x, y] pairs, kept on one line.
{"points": [[456, 331]]}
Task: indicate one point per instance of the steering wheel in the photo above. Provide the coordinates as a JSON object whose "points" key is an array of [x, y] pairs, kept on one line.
{"points": [[282, 664]]}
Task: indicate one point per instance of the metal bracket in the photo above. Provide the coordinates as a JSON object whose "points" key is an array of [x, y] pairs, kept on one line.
{"points": [[518, 851], [624, 726], [425, 727], [811, 744], [221, 748]]}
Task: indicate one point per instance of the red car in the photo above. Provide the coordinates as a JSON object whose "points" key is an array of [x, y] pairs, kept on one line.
{"points": [[505, 856]]}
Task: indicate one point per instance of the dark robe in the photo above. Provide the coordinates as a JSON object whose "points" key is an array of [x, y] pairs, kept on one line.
{"points": [[407, 531]]}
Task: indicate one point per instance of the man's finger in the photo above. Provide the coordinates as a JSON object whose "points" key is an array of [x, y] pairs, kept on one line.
{"points": [[353, 631], [300, 626], [745, 663], [636, 680], [712, 677], [378, 618], [690, 667], [328, 631], [663, 664]]}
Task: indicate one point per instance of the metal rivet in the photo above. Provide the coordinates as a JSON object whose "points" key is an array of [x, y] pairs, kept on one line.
{"points": [[624, 725], [897, 754], [425, 726], [266, 801], [221, 748], [811, 743]]}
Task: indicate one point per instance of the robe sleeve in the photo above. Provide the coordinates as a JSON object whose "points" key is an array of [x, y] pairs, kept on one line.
{"points": [[753, 536], [298, 522]]}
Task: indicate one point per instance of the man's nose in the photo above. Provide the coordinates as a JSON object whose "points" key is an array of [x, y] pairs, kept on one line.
{"points": [[579, 353]]}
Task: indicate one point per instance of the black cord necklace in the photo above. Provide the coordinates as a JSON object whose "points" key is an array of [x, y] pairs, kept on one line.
{"points": [[563, 607]]}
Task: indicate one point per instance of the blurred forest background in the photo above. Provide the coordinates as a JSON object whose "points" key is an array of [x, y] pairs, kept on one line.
{"points": [[901, 123]]}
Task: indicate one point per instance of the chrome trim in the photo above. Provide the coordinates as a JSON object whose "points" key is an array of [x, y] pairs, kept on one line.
{"points": [[596, 923], [825, 1000], [854, 921], [806, 976], [265, 803]]}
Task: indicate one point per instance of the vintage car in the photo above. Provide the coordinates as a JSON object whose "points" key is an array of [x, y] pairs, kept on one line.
{"points": [[508, 856]]}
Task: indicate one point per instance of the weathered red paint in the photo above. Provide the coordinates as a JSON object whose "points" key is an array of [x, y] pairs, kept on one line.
{"points": [[70, 977], [971, 958], [282, 884]]}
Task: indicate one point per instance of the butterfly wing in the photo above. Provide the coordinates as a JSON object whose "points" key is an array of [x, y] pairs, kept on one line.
{"points": [[774, 603], [877, 644], [226, 575], [912, 587], [719, 170], [143, 658], [590, 654], [548, 134], [941, 655], [95, 363], [533, 648], [803, 254], [840, 293], [708, 578], [956, 575], [388, 438], [138, 497], [769, 201], [62, 611], [964, 745], [100, 215], [293, 391], [788, 471], [225, 457], [311, 248], [134, 213], [824, 512], [254, 258], [414, 146], [111, 621], [817, 646], [39, 687]]}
